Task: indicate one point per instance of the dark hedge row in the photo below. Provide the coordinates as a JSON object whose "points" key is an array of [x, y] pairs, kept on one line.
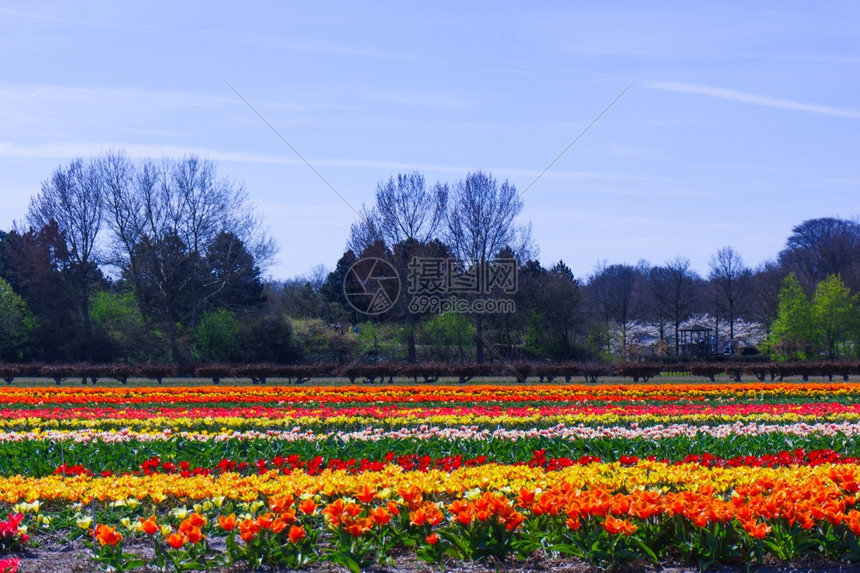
{"points": [[428, 371]]}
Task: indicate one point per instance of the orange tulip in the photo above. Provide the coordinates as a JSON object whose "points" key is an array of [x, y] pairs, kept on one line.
{"points": [[194, 535], [281, 503], [149, 526], [418, 517], [352, 509], [334, 511], [699, 519], [411, 496], [265, 520], [248, 529], [546, 503], [176, 540], [107, 535], [366, 494], [853, 521], [433, 514], [296, 534], [510, 518], [278, 525], [227, 522], [187, 525], [393, 509], [676, 506], [644, 509], [196, 520], [621, 505], [308, 506], [756, 530], [526, 497], [615, 526], [483, 503], [355, 529], [380, 515]]}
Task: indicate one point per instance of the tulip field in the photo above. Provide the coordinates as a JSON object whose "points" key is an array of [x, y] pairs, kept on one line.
{"points": [[242, 478]]}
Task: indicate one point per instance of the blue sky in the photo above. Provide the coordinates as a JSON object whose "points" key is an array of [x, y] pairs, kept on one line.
{"points": [[744, 119]]}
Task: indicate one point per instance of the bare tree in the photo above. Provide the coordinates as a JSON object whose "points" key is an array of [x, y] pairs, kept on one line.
{"points": [[481, 217], [365, 232], [317, 276], [673, 291], [200, 207], [405, 209], [406, 218], [169, 220], [765, 284], [481, 220], [730, 279], [125, 209], [619, 293], [658, 308], [72, 198]]}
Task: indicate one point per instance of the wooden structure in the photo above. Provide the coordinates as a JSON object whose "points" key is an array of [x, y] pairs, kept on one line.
{"points": [[695, 340]]}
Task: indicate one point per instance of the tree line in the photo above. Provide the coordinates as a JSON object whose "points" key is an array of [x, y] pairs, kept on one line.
{"points": [[119, 259], [162, 261]]}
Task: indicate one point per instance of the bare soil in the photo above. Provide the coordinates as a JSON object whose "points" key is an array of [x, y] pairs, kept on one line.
{"points": [[75, 558]]}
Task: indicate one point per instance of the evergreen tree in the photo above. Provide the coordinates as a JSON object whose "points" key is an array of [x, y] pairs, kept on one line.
{"points": [[233, 278], [332, 289], [38, 266]]}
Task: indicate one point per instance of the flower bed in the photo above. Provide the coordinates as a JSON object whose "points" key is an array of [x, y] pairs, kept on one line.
{"points": [[214, 477]]}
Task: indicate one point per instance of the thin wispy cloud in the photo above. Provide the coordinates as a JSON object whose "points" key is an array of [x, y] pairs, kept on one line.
{"points": [[51, 112], [420, 98], [32, 95], [64, 150], [58, 112], [809, 58], [754, 99], [33, 15], [314, 46], [67, 150]]}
